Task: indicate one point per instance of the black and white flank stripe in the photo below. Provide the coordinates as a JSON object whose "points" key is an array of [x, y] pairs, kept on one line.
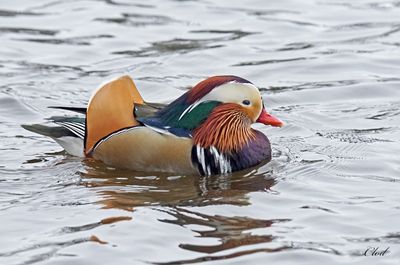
{"points": [[210, 161]]}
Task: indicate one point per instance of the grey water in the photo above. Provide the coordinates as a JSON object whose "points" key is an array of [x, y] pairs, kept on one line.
{"points": [[329, 68]]}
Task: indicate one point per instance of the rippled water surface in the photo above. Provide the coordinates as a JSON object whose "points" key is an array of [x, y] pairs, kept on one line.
{"points": [[330, 69]]}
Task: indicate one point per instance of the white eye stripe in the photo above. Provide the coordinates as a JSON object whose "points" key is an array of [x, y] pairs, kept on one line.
{"points": [[234, 92]]}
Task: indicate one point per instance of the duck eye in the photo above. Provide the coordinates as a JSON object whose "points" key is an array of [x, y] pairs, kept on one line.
{"points": [[246, 102]]}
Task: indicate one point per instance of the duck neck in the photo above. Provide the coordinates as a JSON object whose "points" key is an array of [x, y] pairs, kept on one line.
{"points": [[227, 128]]}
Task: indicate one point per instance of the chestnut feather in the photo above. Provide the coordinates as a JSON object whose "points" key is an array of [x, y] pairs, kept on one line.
{"points": [[227, 128]]}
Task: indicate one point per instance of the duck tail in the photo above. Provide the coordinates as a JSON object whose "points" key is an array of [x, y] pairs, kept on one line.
{"points": [[110, 109], [70, 136]]}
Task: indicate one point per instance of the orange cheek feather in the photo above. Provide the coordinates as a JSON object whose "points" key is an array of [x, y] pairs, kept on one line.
{"points": [[227, 128], [252, 112]]}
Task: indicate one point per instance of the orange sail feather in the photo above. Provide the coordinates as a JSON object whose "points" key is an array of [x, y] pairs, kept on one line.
{"points": [[111, 109]]}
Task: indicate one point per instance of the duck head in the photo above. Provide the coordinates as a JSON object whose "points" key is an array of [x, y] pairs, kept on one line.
{"points": [[240, 93], [219, 112]]}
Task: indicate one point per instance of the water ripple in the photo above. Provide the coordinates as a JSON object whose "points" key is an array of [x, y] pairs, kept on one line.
{"points": [[31, 31], [139, 20]]}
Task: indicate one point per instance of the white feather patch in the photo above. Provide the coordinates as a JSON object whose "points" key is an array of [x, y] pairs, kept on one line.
{"points": [[72, 145], [190, 108]]}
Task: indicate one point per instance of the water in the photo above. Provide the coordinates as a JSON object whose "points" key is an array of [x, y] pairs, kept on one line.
{"points": [[329, 69]]}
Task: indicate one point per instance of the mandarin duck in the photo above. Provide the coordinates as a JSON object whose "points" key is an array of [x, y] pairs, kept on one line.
{"points": [[206, 131]]}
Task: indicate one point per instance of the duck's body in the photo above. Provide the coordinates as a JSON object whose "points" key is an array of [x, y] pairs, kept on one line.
{"points": [[205, 131], [143, 149]]}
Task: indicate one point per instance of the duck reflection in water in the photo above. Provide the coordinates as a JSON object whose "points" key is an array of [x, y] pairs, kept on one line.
{"points": [[173, 195], [232, 232], [126, 190]]}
